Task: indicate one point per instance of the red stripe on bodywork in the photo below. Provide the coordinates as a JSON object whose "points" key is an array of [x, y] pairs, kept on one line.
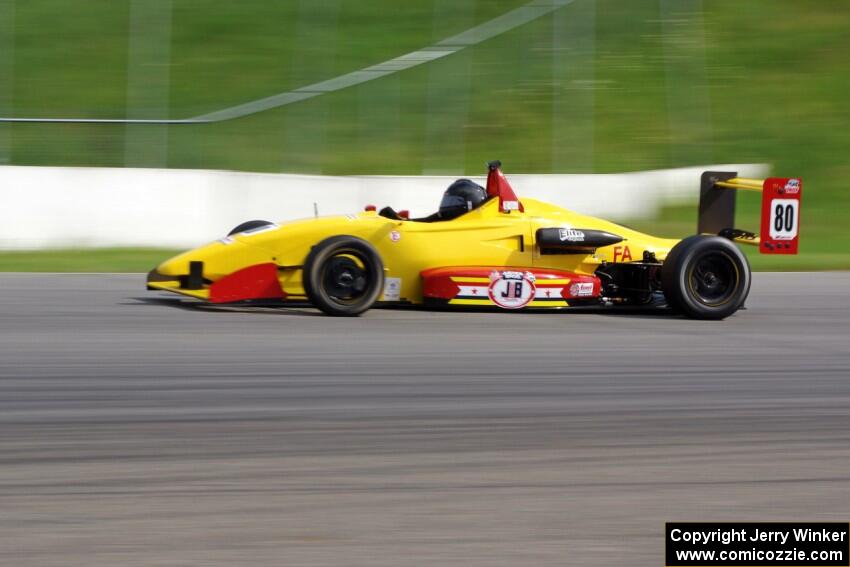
{"points": [[439, 285], [254, 282]]}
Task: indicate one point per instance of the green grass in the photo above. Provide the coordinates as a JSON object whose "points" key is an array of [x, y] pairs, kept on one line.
{"points": [[769, 86], [98, 260]]}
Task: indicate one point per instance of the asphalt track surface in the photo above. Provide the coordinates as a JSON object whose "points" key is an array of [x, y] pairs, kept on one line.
{"points": [[136, 429]]}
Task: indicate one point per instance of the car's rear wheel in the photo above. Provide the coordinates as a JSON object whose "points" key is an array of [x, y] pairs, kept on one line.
{"points": [[249, 225], [706, 277], [343, 276]]}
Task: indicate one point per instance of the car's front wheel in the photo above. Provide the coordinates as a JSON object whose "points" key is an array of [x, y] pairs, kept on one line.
{"points": [[706, 277], [343, 276]]}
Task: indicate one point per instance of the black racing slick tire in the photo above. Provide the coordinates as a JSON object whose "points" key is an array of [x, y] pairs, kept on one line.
{"points": [[706, 277], [249, 225], [343, 276]]}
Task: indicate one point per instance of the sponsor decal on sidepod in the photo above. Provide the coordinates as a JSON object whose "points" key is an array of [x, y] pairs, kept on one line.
{"points": [[570, 235], [511, 290], [581, 289]]}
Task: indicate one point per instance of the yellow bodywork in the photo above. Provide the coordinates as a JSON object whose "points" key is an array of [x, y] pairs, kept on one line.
{"points": [[482, 237]]}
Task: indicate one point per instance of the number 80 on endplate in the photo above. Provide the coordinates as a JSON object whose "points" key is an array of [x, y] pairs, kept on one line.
{"points": [[780, 215]]}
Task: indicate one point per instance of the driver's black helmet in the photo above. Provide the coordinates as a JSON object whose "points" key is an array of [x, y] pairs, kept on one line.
{"points": [[463, 195]]}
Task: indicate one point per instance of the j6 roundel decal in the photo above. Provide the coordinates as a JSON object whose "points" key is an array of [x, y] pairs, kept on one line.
{"points": [[511, 290]]}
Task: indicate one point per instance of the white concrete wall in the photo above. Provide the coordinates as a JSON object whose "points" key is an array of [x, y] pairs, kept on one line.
{"points": [[55, 207]]}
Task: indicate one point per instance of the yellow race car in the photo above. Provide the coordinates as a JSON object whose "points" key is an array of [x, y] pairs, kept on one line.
{"points": [[486, 248]]}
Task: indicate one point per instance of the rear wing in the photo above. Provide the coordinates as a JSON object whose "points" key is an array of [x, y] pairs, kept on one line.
{"points": [[780, 210]]}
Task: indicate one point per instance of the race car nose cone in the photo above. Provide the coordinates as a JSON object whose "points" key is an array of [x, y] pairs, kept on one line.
{"points": [[168, 268]]}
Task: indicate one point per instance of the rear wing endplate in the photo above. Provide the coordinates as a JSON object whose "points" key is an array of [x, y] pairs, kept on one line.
{"points": [[780, 210]]}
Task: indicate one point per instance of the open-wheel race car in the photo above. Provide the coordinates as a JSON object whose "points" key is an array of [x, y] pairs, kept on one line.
{"points": [[486, 248]]}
